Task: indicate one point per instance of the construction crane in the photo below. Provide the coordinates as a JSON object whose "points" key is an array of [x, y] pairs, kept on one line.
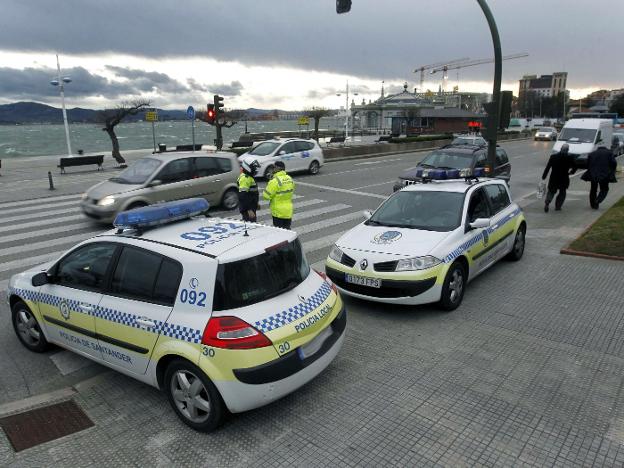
{"points": [[446, 67], [436, 65]]}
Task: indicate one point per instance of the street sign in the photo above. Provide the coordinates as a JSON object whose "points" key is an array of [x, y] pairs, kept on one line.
{"points": [[151, 116], [303, 121], [190, 113]]}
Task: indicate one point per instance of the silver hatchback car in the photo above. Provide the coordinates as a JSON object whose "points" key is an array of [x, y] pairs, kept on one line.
{"points": [[164, 177]]}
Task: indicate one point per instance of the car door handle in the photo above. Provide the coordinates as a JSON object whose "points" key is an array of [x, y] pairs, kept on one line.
{"points": [[145, 323], [495, 226], [217, 180], [85, 308]]}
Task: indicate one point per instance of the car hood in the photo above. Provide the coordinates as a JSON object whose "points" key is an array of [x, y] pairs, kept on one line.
{"points": [[389, 240], [105, 188]]}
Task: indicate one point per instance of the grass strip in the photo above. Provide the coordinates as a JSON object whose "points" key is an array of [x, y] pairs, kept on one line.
{"points": [[605, 236]]}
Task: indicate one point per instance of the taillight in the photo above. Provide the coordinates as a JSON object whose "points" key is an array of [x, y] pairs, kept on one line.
{"points": [[233, 333], [328, 280]]}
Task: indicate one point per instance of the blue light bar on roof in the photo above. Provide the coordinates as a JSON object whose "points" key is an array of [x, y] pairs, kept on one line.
{"points": [[162, 213]]}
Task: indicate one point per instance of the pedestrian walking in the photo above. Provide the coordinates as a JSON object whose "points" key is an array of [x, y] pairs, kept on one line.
{"points": [[601, 166], [562, 165], [279, 192], [248, 190]]}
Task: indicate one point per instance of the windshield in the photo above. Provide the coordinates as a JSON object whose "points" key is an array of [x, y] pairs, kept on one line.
{"points": [[447, 160], [137, 173], [431, 211], [578, 135], [259, 278], [264, 149], [546, 129]]}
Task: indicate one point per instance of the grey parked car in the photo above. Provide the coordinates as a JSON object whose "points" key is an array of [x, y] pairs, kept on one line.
{"points": [[165, 177]]}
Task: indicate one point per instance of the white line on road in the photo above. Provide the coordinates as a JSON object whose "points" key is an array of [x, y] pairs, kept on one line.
{"points": [[48, 243], [321, 243], [38, 223], [378, 162], [34, 215], [45, 232], [39, 200], [320, 225], [39, 207], [374, 185], [30, 261], [235, 214], [336, 189]]}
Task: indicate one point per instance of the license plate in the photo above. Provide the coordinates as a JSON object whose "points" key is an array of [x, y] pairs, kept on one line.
{"points": [[362, 281], [313, 346]]}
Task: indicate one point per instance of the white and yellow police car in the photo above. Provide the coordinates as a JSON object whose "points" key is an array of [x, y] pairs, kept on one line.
{"points": [[425, 242], [217, 313]]}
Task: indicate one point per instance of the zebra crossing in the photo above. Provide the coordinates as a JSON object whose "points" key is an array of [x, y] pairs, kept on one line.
{"points": [[40, 230]]}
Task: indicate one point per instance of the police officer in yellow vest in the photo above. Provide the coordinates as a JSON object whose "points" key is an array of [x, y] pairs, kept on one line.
{"points": [[248, 190], [279, 191]]}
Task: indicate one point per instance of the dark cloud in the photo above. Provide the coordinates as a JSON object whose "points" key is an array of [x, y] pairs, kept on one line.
{"points": [[146, 81], [195, 86], [224, 89], [380, 40]]}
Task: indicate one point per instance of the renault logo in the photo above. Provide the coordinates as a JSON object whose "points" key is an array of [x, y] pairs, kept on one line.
{"points": [[364, 264]]}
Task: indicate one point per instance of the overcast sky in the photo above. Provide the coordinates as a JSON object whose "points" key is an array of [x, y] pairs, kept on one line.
{"points": [[291, 54]]}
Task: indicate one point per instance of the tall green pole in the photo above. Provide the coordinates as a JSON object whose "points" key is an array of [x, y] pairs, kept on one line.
{"points": [[494, 117]]}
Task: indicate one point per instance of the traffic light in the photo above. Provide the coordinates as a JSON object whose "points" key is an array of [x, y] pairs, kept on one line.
{"points": [[218, 105], [343, 6], [210, 115]]}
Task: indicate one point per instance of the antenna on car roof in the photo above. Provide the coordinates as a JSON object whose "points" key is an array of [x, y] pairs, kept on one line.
{"points": [[246, 234]]}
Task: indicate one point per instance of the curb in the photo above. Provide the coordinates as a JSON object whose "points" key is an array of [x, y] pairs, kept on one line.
{"points": [[578, 253]]}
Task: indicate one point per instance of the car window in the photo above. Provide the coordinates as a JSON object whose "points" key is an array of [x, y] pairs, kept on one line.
{"points": [[175, 171], [209, 166], [225, 164], [481, 160], [289, 148], [145, 276], [303, 146], [499, 199], [86, 267], [264, 149], [138, 172], [599, 137], [478, 206], [501, 157]]}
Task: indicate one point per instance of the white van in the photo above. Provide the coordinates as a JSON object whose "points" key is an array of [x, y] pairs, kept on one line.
{"points": [[584, 136]]}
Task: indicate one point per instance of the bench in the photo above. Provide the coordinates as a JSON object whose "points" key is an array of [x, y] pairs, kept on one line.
{"points": [[189, 147], [336, 139], [383, 138], [241, 144], [71, 161]]}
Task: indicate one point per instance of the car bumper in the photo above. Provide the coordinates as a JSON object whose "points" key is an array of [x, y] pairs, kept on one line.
{"points": [[409, 292], [261, 385], [98, 213]]}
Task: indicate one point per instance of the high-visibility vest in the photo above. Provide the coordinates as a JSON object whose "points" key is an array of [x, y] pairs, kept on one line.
{"points": [[246, 183], [279, 191]]}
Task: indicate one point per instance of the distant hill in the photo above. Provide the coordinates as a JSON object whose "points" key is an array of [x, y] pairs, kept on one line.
{"points": [[37, 113]]}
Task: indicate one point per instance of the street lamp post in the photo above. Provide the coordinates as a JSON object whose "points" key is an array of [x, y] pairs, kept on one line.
{"points": [[61, 82], [346, 109]]}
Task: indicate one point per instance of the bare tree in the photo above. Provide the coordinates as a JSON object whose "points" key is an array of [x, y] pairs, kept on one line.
{"points": [[112, 117], [317, 113]]}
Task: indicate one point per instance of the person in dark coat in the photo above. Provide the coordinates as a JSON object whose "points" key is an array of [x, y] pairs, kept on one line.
{"points": [[562, 165], [601, 166]]}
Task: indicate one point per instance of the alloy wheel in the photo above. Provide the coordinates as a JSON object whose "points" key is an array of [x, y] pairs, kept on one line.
{"points": [[28, 328], [190, 396], [456, 285]]}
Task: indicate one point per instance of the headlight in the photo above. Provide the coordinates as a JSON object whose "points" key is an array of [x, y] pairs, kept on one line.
{"points": [[336, 254], [83, 196], [107, 201], [417, 263]]}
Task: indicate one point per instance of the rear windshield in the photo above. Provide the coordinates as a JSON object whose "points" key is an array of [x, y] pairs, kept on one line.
{"points": [[447, 160], [259, 278]]}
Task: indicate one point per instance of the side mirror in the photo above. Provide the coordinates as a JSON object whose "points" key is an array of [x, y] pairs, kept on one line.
{"points": [[281, 152], [367, 214], [480, 223], [155, 183], [40, 279]]}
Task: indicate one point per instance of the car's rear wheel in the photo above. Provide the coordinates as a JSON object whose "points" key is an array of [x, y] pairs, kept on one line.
{"points": [[27, 329], [230, 199], [268, 173], [453, 287], [314, 167], [519, 243], [193, 396]]}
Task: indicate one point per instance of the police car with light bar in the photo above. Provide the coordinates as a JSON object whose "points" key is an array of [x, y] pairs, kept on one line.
{"points": [[217, 313], [427, 241]]}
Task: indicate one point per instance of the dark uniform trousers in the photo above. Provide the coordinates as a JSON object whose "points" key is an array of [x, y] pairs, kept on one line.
{"points": [[595, 200], [282, 223]]}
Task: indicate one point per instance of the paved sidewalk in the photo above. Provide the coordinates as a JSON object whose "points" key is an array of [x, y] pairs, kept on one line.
{"points": [[529, 371]]}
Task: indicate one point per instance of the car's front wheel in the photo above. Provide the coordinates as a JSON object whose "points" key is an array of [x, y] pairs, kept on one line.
{"points": [[230, 199], [27, 329], [314, 167], [519, 243], [453, 287], [193, 396]]}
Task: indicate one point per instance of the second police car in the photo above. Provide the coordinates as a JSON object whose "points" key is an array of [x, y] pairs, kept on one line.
{"points": [[425, 242], [217, 313]]}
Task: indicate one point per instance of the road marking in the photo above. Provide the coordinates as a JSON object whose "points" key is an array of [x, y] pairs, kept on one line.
{"points": [[45, 232], [39, 223], [42, 206], [320, 211], [22, 263], [374, 185], [38, 200], [321, 243], [320, 225], [336, 189], [378, 162], [47, 243], [30, 216], [234, 214]]}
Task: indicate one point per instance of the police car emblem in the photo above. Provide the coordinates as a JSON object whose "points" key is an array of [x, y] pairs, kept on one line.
{"points": [[364, 264], [386, 237], [194, 283], [64, 308]]}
